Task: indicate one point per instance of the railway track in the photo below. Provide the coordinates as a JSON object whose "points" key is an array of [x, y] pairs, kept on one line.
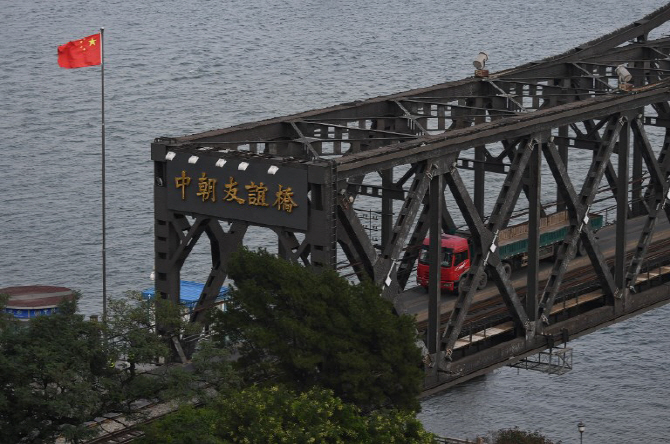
{"points": [[118, 430]]}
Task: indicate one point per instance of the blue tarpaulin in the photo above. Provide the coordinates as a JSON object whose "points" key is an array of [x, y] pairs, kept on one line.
{"points": [[189, 293]]}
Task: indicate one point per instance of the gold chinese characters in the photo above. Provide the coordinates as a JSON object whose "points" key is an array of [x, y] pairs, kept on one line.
{"points": [[255, 193]]}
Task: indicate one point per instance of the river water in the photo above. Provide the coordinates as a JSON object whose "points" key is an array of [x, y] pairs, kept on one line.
{"points": [[176, 68]]}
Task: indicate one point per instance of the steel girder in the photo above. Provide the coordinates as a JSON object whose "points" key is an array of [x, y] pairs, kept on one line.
{"points": [[578, 208], [484, 238], [353, 152], [656, 202]]}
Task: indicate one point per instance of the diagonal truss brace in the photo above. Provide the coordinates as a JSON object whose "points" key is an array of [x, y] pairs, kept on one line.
{"points": [[507, 95], [578, 208], [416, 239], [305, 141], [484, 239], [187, 241], [385, 267], [293, 249], [656, 202], [355, 241], [223, 246], [592, 76], [409, 116]]}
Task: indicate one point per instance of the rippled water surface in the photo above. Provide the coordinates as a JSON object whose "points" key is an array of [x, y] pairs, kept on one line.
{"points": [[176, 67]]}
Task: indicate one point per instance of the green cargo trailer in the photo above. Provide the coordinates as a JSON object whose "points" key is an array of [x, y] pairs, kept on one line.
{"points": [[513, 241]]}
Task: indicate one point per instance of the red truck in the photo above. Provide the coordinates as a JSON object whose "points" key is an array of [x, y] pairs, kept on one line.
{"points": [[512, 249]]}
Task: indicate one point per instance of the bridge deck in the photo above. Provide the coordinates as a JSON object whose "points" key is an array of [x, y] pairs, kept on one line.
{"points": [[415, 300]]}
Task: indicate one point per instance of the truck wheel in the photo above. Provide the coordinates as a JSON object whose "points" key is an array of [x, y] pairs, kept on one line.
{"points": [[507, 268], [483, 281]]}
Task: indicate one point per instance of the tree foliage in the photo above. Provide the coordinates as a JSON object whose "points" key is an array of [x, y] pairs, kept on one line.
{"points": [[52, 371], [296, 327], [517, 436], [276, 414], [6, 319], [60, 371]]}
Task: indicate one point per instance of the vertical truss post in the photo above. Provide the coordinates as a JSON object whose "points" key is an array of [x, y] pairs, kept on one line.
{"points": [[479, 167], [387, 205], [167, 242], [435, 258], [166, 237], [282, 251], [480, 178], [637, 203], [563, 133], [534, 204], [322, 229], [622, 212]]}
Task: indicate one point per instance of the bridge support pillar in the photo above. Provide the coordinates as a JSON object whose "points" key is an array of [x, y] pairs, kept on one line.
{"points": [[166, 238]]}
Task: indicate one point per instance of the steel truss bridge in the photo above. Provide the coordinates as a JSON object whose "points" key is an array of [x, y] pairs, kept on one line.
{"points": [[563, 134]]}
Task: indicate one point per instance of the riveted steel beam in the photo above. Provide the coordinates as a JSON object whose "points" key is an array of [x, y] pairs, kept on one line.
{"points": [[622, 213], [290, 248], [435, 197], [188, 240], [353, 237], [657, 200], [223, 246], [384, 267], [483, 248], [610, 174], [534, 174], [578, 208], [435, 146], [415, 242]]}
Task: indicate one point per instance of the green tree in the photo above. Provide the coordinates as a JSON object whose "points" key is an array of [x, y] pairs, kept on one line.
{"points": [[51, 370], [517, 436], [6, 319], [131, 329], [297, 327], [276, 414], [60, 371]]}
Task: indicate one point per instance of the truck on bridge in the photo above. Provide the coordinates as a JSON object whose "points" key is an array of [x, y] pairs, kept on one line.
{"points": [[512, 249]]}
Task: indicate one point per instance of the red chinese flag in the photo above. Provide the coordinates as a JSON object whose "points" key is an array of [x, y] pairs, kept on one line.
{"points": [[80, 53]]}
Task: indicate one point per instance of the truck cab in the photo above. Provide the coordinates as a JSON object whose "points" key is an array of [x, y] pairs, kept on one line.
{"points": [[455, 257]]}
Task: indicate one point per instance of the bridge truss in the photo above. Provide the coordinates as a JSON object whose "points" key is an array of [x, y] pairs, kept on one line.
{"points": [[475, 153]]}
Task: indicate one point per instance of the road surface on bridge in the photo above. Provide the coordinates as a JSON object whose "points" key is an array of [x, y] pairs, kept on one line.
{"points": [[415, 300]]}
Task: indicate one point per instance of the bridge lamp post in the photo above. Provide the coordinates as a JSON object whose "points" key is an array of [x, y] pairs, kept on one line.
{"points": [[479, 63], [581, 427], [624, 77]]}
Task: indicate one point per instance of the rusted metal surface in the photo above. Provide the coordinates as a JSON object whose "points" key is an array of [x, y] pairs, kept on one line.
{"points": [[392, 156]]}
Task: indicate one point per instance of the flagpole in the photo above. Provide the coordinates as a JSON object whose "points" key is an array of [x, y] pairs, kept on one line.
{"points": [[104, 240]]}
